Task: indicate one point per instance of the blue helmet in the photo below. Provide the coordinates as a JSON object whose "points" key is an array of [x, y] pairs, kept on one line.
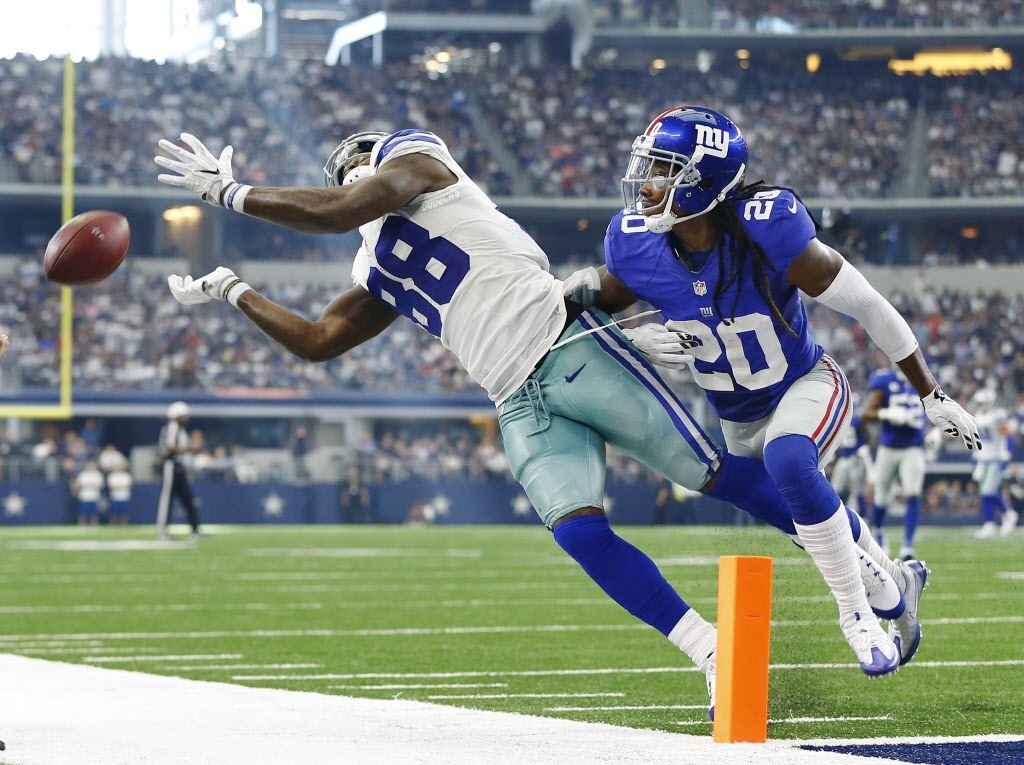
{"points": [[698, 154]]}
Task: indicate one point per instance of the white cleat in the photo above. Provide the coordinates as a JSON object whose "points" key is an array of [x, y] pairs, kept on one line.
{"points": [[987, 531], [905, 629], [710, 665], [875, 651], [1010, 518]]}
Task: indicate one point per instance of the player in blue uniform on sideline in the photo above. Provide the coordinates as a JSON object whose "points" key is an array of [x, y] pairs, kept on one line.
{"points": [[724, 263], [895, 404]]}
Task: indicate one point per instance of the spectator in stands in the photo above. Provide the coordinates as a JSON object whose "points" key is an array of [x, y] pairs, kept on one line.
{"points": [[119, 488], [355, 498], [87, 488]]}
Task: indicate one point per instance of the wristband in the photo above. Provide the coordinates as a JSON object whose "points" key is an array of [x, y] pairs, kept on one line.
{"points": [[238, 288], [234, 196]]}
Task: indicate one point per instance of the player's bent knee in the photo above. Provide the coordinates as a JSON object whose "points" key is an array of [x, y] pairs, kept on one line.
{"points": [[579, 513], [792, 462]]}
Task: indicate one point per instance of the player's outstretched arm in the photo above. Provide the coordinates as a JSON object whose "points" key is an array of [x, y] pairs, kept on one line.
{"points": [[827, 277], [349, 320], [316, 210]]}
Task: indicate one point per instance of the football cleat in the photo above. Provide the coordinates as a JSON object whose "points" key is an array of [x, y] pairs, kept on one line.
{"points": [[905, 630], [987, 531], [875, 651], [1010, 518], [710, 665]]}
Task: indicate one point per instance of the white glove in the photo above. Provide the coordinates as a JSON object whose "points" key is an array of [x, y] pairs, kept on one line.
{"points": [[661, 346], [219, 284], [944, 412], [583, 286], [199, 171]]}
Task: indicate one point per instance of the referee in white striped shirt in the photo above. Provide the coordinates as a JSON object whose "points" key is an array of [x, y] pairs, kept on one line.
{"points": [[175, 485]]}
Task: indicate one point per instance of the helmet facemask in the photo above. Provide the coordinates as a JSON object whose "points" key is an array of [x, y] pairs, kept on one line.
{"points": [[352, 148]]}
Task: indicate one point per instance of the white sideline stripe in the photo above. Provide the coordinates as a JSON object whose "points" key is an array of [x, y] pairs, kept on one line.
{"points": [[798, 721], [427, 631], [1010, 575], [155, 607], [169, 657], [68, 713], [217, 667], [625, 708], [416, 686], [603, 671], [615, 694], [362, 552], [71, 651]]}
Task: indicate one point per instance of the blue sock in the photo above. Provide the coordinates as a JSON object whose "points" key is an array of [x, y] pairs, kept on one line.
{"points": [[989, 503], [744, 482], [628, 576], [877, 517], [855, 526], [792, 463], [910, 520]]}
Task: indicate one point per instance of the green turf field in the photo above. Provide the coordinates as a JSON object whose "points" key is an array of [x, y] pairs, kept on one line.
{"points": [[383, 608]]}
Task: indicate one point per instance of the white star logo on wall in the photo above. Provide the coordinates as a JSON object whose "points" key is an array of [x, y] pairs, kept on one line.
{"points": [[273, 505], [521, 506], [14, 505]]}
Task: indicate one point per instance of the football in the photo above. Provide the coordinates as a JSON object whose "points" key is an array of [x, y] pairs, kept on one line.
{"points": [[87, 249]]}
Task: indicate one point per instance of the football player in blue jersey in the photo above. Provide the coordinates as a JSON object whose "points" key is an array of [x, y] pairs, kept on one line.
{"points": [[894, 403], [724, 262]]}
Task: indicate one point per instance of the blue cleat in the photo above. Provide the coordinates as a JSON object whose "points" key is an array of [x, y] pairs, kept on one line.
{"points": [[875, 651], [905, 630]]}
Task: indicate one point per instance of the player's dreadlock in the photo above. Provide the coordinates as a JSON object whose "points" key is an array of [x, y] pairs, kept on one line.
{"points": [[728, 222]]}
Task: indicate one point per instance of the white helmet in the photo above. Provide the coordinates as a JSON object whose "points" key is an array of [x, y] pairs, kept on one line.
{"points": [[177, 409]]}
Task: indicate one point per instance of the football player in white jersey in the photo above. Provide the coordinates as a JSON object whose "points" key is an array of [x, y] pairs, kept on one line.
{"points": [[995, 432], [566, 380]]}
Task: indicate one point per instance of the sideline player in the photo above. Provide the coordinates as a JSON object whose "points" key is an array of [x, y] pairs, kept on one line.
{"points": [[175, 483], [724, 262], [566, 382], [853, 465], [895, 404], [991, 467]]}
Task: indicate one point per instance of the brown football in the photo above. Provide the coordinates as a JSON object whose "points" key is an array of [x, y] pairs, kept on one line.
{"points": [[87, 249]]}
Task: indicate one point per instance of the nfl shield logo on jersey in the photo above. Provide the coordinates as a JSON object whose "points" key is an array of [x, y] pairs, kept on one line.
{"points": [[701, 288]]}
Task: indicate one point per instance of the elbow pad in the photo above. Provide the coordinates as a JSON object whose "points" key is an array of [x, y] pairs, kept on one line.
{"points": [[851, 294]]}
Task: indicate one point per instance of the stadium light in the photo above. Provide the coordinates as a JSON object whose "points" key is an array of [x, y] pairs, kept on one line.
{"points": [[944, 63], [181, 214]]}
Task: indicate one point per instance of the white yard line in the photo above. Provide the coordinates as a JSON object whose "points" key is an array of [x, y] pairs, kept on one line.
{"points": [[616, 694], [416, 686], [65, 713], [223, 667], [796, 720], [426, 631], [625, 708], [1010, 575], [72, 651], [166, 657], [601, 671]]}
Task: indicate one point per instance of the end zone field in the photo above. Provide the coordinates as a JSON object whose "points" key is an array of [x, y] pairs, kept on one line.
{"points": [[498, 618]]}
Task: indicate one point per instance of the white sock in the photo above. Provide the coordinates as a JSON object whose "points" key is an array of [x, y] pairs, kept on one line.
{"points": [[869, 545], [835, 554], [694, 637], [882, 591]]}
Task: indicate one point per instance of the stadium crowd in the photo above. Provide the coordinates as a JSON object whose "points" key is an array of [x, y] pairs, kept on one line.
{"points": [[565, 133], [140, 340]]}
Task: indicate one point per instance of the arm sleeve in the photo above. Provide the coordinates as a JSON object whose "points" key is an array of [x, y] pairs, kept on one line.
{"points": [[851, 294]]}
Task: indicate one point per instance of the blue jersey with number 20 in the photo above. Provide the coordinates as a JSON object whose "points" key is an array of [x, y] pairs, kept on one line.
{"points": [[745, 364]]}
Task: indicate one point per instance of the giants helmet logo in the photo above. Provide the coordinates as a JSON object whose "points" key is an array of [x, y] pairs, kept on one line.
{"points": [[714, 140]]}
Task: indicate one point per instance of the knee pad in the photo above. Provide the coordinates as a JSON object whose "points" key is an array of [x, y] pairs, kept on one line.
{"points": [[584, 537], [792, 462]]}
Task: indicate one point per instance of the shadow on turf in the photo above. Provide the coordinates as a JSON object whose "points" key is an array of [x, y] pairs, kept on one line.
{"points": [[964, 753]]}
